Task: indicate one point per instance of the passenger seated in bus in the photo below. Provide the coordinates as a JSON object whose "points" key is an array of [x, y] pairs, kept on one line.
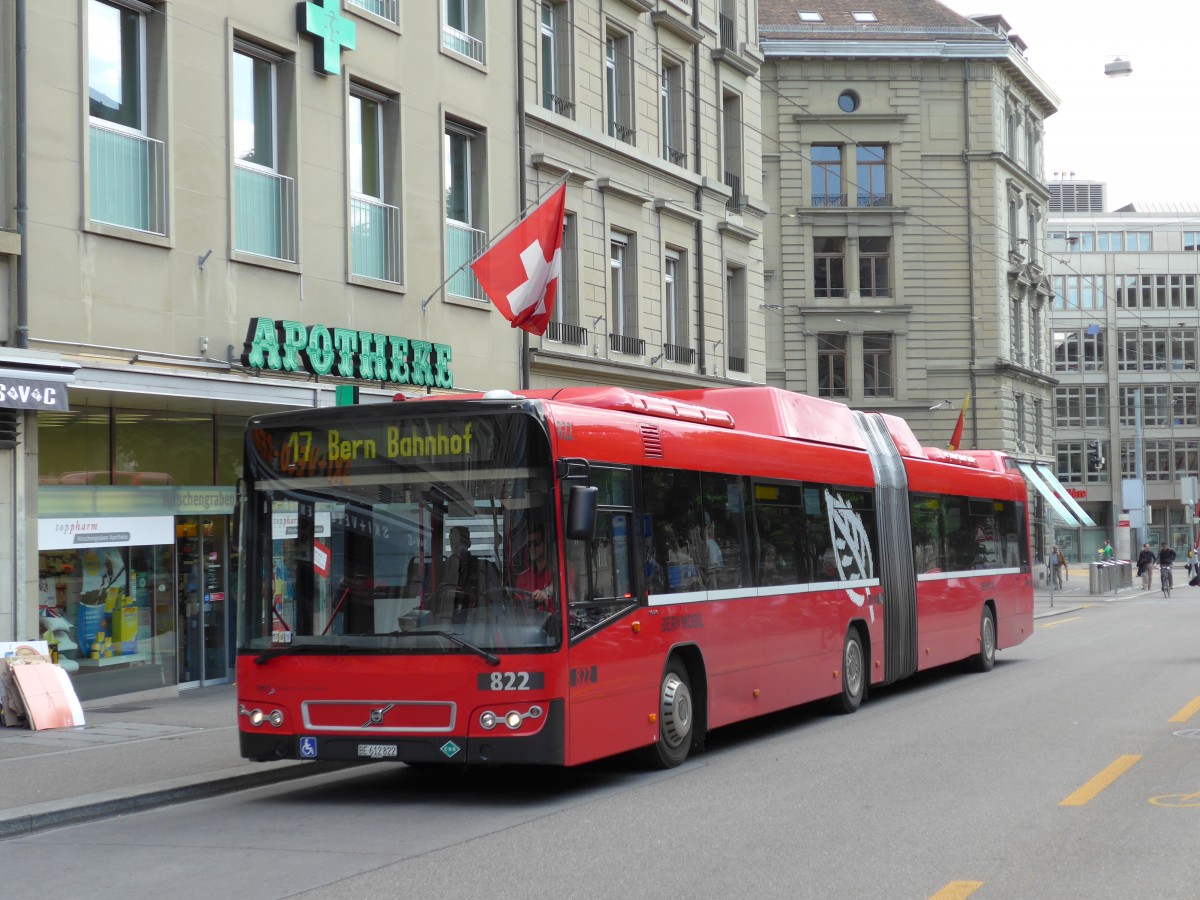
{"points": [[682, 571], [458, 576]]}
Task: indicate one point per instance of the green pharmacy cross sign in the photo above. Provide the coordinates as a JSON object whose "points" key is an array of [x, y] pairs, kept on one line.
{"points": [[330, 30]]}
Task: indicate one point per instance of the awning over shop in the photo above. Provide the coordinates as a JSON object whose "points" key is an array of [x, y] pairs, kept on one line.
{"points": [[32, 380], [1061, 503], [1064, 495]]}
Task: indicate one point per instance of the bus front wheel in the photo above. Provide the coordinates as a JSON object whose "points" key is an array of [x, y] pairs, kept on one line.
{"points": [[676, 718], [854, 673]]}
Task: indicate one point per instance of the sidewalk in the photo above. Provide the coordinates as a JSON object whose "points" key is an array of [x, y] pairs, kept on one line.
{"points": [[130, 755], [137, 754]]}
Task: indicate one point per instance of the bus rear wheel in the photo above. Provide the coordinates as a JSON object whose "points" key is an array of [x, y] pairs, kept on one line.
{"points": [[854, 674], [986, 657], [676, 718]]}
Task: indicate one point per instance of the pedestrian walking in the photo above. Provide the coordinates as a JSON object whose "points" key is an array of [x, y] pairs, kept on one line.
{"points": [[1057, 566], [1145, 566]]}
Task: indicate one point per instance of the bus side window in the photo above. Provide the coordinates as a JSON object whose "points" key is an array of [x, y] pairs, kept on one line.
{"points": [[725, 539], [672, 501]]}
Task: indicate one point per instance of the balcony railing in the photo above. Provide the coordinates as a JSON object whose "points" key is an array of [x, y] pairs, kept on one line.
{"points": [[678, 157], [736, 364], [385, 9], [866, 199], [463, 244], [728, 33], [374, 239], [734, 183], [829, 200], [264, 213], [461, 42], [677, 353], [560, 105], [622, 132], [567, 334], [127, 180], [620, 343]]}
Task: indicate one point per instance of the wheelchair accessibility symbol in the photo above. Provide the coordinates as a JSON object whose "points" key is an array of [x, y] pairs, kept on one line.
{"points": [[308, 747], [1176, 800]]}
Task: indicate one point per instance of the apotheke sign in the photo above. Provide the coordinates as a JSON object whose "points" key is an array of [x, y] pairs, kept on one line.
{"points": [[114, 531], [286, 346]]}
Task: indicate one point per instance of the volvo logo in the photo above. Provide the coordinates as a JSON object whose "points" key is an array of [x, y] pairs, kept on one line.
{"points": [[377, 714]]}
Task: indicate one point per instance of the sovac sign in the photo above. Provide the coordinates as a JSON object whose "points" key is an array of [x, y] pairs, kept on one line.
{"points": [[285, 346]]}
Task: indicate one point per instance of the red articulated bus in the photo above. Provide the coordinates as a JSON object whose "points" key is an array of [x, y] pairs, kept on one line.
{"points": [[569, 574]]}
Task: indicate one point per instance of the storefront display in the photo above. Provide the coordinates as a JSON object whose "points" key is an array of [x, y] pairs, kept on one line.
{"points": [[98, 581]]}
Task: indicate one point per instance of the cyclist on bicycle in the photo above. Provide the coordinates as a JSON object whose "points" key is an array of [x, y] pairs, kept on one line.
{"points": [[1166, 559]]}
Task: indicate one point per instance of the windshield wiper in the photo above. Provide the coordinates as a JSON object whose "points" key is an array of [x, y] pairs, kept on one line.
{"points": [[268, 655], [490, 658]]}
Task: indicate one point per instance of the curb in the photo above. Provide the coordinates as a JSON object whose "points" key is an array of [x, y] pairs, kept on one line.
{"points": [[24, 821]]}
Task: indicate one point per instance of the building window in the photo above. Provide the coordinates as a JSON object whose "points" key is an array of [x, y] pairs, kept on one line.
{"points": [[727, 23], [873, 259], [1127, 350], [1071, 465], [1094, 344], [1067, 407], [264, 197], [872, 175], [672, 114], [565, 326], [675, 308], [848, 101], [463, 28], [1081, 241], [829, 267], [1187, 458], [878, 379], [1066, 351], [1039, 434], [1184, 401], [1153, 349], [622, 297], [831, 365], [618, 86], [1020, 414], [827, 176], [1191, 240], [1183, 349], [1095, 406], [1016, 330], [731, 143], [127, 168], [735, 304], [1156, 405], [556, 59], [1036, 351], [1078, 291], [465, 163], [1157, 460], [374, 223]]}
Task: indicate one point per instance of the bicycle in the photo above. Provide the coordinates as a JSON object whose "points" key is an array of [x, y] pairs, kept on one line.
{"points": [[1166, 579]]}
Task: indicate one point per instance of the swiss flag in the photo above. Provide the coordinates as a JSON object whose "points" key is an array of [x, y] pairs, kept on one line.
{"points": [[520, 273]]}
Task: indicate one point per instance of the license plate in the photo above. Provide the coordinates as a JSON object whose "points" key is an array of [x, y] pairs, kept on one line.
{"points": [[377, 751]]}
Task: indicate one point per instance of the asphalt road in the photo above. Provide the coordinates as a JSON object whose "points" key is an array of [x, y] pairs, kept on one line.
{"points": [[1059, 774]]}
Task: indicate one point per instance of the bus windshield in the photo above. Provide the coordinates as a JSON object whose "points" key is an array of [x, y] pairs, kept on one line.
{"points": [[379, 532]]}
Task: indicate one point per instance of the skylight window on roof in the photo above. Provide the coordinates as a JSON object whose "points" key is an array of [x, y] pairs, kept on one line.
{"points": [[865, 17], [809, 16]]}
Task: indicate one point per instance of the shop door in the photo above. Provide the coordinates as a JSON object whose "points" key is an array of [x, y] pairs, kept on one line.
{"points": [[202, 549]]}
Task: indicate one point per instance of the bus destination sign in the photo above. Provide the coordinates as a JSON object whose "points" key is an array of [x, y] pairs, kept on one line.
{"points": [[334, 452]]}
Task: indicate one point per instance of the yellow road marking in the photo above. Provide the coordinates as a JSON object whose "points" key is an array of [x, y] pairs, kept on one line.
{"points": [[1115, 770], [957, 890], [1187, 712], [1176, 800], [1058, 622]]}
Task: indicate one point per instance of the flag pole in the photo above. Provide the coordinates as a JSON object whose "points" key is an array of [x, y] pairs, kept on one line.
{"points": [[503, 232]]}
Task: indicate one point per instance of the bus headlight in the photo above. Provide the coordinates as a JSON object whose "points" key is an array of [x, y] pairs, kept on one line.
{"points": [[256, 717], [487, 721], [276, 718]]}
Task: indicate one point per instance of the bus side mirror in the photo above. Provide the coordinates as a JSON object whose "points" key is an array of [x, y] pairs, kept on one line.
{"points": [[581, 513]]}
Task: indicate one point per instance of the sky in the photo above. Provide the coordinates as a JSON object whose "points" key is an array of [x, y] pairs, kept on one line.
{"points": [[1134, 133]]}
